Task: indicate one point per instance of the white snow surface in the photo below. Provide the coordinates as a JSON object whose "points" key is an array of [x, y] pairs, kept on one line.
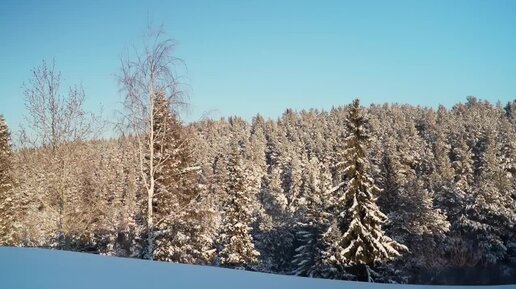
{"points": [[40, 268]]}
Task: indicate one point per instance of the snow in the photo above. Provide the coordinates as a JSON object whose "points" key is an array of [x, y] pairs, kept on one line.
{"points": [[22, 268]]}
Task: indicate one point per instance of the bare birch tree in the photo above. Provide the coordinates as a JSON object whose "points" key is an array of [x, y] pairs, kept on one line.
{"points": [[56, 123], [149, 74], [54, 118]]}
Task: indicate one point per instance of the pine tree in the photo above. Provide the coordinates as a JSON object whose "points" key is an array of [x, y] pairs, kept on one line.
{"points": [[409, 205], [453, 199], [357, 238], [312, 220], [442, 150], [8, 210], [490, 214], [236, 243], [274, 235]]}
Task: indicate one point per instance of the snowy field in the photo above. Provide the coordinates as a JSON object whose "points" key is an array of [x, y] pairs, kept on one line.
{"points": [[38, 268]]}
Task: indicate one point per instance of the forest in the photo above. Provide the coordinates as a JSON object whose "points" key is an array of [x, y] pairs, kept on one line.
{"points": [[381, 193]]}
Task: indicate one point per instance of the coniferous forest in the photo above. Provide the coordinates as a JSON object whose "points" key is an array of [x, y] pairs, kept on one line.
{"points": [[383, 193]]}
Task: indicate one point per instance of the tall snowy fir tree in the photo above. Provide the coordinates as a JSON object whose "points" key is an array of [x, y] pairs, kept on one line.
{"points": [[8, 206], [356, 241], [236, 245], [273, 235], [490, 215], [413, 219], [312, 220], [180, 231]]}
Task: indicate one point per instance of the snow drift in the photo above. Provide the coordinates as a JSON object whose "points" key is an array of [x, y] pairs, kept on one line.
{"points": [[39, 268]]}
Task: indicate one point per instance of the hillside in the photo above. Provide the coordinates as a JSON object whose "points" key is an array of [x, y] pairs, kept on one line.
{"points": [[441, 184], [38, 268]]}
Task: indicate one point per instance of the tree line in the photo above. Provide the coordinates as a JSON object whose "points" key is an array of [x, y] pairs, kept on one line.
{"points": [[385, 193]]}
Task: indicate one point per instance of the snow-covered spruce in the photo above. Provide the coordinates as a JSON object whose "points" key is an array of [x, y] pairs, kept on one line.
{"points": [[182, 225], [236, 243], [7, 201], [356, 237], [313, 219]]}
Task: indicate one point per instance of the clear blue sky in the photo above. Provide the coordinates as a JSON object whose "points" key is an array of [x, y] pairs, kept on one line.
{"points": [[245, 57]]}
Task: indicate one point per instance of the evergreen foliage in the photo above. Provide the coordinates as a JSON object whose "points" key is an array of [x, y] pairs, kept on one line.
{"points": [[9, 209], [358, 237], [297, 195], [236, 243]]}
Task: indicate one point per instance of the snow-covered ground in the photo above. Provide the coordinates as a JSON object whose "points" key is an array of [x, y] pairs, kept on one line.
{"points": [[41, 269]]}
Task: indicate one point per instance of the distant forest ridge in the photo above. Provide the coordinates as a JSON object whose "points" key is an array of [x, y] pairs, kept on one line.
{"points": [[278, 195]]}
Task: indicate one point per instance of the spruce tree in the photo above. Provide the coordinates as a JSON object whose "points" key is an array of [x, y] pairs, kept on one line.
{"points": [[182, 223], [490, 214], [357, 239], [7, 201], [454, 198], [274, 236], [236, 243], [409, 205], [312, 220]]}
